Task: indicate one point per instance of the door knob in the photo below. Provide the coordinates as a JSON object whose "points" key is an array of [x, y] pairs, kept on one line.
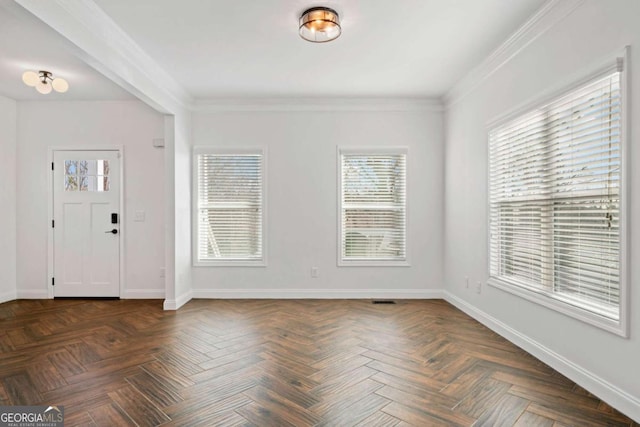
{"points": [[114, 231]]}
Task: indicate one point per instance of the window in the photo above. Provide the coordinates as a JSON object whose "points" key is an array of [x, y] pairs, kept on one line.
{"points": [[86, 175], [555, 201], [230, 207], [372, 207]]}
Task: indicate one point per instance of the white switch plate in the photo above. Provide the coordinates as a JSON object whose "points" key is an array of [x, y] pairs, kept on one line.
{"points": [[139, 216], [315, 272]]}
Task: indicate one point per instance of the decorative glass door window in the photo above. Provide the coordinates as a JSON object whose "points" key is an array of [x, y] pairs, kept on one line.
{"points": [[86, 175]]}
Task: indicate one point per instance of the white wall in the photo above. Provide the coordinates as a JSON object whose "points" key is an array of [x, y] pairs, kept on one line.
{"points": [[182, 200], [131, 124], [178, 208], [302, 202], [8, 199], [607, 363]]}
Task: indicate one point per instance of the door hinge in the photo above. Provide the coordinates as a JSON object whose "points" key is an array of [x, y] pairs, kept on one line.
{"points": [[52, 165], [53, 281], [53, 223]]}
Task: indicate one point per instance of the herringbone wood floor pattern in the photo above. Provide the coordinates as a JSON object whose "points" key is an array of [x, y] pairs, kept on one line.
{"points": [[279, 363]]}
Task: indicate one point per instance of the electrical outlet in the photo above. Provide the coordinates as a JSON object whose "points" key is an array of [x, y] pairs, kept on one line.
{"points": [[139, 216], [466, 281], [162, 272], [479, 288], [315, 272]]}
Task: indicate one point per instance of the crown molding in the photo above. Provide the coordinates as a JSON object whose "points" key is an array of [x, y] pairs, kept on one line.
{"points": [[215, 105], [552, 12], [105, 46]]}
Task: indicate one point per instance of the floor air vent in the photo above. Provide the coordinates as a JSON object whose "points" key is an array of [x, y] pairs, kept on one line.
{"points": [[383, 301]]}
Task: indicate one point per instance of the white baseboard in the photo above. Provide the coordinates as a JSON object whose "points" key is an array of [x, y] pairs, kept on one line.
{"points": [[143, 294], [7, 296], [32, 294], [174, 304], [614, 396], [37, 294], [318, 293]]}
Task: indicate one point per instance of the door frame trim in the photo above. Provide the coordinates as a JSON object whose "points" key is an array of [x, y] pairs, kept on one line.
{"points": [[50, 235]]}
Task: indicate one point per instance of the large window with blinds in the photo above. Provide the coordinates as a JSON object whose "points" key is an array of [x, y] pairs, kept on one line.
{"points": [[555, 200], [372, 204], [229, 205]]}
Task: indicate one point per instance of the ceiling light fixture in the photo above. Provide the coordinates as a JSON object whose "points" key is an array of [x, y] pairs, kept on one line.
{"points": [[320, 25], [44, 82]]}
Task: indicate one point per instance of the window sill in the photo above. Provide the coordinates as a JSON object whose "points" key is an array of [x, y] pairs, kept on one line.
{"points": [[615, 327]]}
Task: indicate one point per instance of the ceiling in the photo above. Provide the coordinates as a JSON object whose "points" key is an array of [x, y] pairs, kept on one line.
{"points": [[28, 44], [231, 48], [251, 49]]}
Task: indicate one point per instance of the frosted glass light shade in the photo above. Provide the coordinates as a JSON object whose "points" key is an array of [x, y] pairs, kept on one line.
{"points": [[60, 85], [43, 87], [44, 82], [319, 25], [30, 78]]}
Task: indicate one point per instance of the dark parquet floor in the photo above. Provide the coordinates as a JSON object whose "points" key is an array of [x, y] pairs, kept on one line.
{"points": [[279, 363]]}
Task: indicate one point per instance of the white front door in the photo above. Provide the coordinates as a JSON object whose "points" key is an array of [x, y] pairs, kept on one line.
{"points": [[86, 223]]}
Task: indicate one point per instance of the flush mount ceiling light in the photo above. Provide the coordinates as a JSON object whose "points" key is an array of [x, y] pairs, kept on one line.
{"points": [[319, 25], [44, 82]]}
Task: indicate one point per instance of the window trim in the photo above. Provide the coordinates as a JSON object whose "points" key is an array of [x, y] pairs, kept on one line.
{"points": [[620, 327], [369, 150], [197, 150]]}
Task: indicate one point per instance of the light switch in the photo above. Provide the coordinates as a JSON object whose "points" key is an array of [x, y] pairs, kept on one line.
{"points": [[138, 216]]}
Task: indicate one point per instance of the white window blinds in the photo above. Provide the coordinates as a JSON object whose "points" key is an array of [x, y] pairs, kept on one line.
{"points": [[373, 206], [554, 196], [230, 206]]}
